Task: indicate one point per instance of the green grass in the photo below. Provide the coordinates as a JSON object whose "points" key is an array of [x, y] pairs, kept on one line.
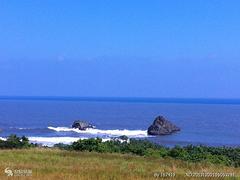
{"points": [[58, 164]]}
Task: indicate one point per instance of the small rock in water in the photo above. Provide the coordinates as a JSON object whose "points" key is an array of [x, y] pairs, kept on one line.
{"points": [[82, 125], [162, 126]]}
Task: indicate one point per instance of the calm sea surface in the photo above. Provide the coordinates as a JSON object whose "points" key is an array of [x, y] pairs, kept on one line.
{"points": [[49, 121]]}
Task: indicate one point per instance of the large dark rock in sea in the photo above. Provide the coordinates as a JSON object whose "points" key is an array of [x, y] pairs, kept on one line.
{"points": [[162, 126], [82, 125]]}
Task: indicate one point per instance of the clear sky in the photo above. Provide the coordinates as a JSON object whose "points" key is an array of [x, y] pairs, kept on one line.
{"points": [[131, 48]]}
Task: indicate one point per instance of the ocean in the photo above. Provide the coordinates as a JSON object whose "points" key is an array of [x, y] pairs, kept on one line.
{"points": [[48, 120]]}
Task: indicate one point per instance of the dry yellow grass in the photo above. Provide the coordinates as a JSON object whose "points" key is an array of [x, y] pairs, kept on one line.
{"points": [[51, 164]]}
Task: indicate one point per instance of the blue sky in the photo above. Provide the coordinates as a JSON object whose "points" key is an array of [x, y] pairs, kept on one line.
{"points": [[137, 48]]}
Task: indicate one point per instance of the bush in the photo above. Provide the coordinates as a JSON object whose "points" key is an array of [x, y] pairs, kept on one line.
{"points": [[217, 155], [15, 142]]}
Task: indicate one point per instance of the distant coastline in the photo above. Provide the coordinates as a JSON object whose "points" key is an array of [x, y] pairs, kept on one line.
{"points": [[127, 99]]}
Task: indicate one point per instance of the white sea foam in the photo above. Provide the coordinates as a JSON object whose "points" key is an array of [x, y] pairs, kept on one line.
{"points": [[111, 133], [24, 128], [50, 141], [106, 135], [4, 139], [20, 128]]}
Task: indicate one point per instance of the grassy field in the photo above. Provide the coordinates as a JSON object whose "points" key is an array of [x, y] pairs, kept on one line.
{"points": [[59, 164]]}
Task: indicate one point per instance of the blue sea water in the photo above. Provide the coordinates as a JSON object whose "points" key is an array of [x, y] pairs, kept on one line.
{"points": [[49, 120]]}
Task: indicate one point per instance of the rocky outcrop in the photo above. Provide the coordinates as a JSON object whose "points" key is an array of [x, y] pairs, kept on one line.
{"points": [[162, 126], [82, 125]]}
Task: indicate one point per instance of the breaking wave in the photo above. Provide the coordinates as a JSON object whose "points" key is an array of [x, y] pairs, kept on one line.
{"points": [[50, 141], [3, 139], [105, 135], [110, 133]]}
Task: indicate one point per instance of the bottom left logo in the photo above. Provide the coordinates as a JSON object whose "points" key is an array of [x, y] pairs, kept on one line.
{"points": [[8, 171]]}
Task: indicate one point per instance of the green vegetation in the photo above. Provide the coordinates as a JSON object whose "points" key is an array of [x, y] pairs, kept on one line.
{"points": [[56, 164], [217, 155], [15, 142]]}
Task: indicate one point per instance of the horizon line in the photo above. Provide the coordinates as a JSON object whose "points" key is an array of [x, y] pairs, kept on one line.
{"points": [[182, 100]]}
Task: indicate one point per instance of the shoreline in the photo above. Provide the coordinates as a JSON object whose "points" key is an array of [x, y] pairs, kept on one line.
{"points": [[50, 141], [13, 141], [97, 159]]}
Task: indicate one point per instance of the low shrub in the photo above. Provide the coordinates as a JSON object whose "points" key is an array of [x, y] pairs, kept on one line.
{"points": [[14, 142]]}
